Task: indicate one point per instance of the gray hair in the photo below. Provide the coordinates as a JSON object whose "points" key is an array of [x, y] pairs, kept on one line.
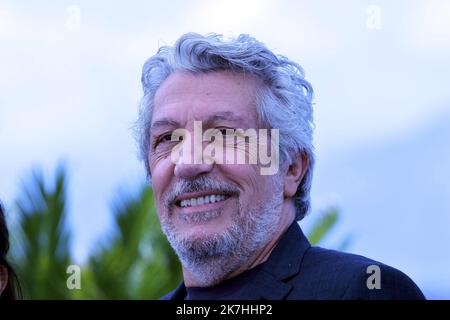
{"points": [[284, 101]]}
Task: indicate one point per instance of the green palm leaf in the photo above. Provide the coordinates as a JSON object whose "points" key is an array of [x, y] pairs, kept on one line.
{"points": [[42, 252], [136, 262], [323, 226]]}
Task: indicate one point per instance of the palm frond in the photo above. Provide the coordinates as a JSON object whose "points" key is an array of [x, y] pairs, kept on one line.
{"points": [[136, 262], [323, 225], [44, 238]]}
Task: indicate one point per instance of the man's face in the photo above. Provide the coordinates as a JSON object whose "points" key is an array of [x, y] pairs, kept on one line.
{"points": [[222, 100]]}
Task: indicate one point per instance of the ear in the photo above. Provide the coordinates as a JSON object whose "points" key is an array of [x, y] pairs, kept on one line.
{"points": [[294, 175], [3, 278]]}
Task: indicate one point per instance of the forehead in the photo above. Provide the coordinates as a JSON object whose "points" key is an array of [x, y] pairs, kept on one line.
{"points": [[185, 96]]}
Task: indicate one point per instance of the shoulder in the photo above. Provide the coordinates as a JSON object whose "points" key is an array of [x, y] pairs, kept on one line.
{"points": [[167, 296], [330, 274], [177, 294]]}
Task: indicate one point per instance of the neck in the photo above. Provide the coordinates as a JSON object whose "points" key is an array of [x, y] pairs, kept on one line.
{"points": [[286, 218]]}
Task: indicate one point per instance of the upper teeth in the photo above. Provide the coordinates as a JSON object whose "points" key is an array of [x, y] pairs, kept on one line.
{"points": [[202, 200]]}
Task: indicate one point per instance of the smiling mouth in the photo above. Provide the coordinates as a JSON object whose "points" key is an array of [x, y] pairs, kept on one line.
{"points": [[202, 200]]}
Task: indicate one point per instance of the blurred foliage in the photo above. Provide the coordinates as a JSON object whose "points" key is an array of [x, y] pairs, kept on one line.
{"points": [[136, 262], [133, 262], [41, 252], [323, 226]]}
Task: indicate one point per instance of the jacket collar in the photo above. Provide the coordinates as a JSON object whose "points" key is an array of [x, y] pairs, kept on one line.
{"points": [[283, 263]]}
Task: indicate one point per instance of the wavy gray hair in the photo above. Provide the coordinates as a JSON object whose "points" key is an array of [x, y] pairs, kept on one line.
{"points": [[284, 101]]}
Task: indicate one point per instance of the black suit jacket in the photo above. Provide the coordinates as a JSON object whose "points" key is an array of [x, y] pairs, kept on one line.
{"points": [[296, 270]]}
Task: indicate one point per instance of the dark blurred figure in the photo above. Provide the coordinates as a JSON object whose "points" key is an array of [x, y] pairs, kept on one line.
{"points": [[9, 284]]}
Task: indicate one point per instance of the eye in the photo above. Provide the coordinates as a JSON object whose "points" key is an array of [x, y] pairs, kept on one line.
{"points": [[223, 131], [164, 138]]}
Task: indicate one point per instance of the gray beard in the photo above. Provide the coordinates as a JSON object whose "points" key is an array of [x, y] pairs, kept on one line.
{"points": [[210, 260]]}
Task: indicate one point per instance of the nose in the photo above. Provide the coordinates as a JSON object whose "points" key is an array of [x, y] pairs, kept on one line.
{"points": [[192, 171], [188, 168]]}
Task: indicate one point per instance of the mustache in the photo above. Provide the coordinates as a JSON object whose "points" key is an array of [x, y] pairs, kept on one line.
{"points": [[202, 183]]}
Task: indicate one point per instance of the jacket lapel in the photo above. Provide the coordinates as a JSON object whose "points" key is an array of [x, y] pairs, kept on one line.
{"points": [[283, 263], [178, 294]]}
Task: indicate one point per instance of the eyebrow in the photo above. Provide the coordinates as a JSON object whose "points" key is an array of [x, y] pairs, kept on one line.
{"points": [[165, 122], [225, 115]]}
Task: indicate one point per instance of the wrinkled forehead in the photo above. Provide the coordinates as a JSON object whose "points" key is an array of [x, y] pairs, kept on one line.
{"points": [[186, 97]]}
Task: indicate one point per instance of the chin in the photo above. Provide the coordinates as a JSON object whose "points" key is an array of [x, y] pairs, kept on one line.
{"points": [[201, 232]]}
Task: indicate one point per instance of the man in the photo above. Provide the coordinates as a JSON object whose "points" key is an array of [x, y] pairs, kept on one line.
{"points": [[233, 224]]}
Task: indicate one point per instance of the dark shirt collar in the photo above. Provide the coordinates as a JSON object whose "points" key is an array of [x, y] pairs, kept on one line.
{"points": [[284, 262], [224, 290]]}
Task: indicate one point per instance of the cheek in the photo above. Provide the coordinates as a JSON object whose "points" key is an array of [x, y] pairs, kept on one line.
{"points": [[246, 176], [162, 172]]}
